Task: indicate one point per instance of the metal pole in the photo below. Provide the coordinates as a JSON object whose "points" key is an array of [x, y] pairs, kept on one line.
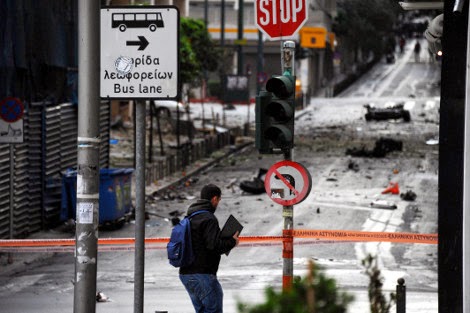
{"points": [[206, 10], [139, 261], [287, 241], [288, 58], [287, 66], [222, 24], [88, 172], [240, 37], [401, 296], [12, 177], [260, 61], [466, 195]]}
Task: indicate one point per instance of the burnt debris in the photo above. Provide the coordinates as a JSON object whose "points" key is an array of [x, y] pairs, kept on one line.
{"points": [[382, 147], [394, 112]]}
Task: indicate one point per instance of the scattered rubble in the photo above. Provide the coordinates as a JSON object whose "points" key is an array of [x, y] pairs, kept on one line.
{"points": [[382, 147], [101, 297], [393, 112], [256, 185], [382, 204], [353, 166], [408, 196]]}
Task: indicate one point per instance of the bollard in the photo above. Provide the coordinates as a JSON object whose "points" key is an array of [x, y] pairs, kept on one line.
{"points": [[401, 296]]}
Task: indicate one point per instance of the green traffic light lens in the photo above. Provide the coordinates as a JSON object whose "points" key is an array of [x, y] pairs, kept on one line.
{"points": [[281, 86], [280, 111], [279, 135]]}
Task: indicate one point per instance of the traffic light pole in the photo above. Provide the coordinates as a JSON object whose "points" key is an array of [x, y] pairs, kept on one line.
{"points": [[288, 66]]}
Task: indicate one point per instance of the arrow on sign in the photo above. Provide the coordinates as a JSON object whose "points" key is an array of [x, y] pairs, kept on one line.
{"points": [[142, 43]]}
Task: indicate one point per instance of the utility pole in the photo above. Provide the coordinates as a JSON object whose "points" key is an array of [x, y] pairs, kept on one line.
{"points": [[88, 171], [240, 38], [260, 62], [453, 145]]}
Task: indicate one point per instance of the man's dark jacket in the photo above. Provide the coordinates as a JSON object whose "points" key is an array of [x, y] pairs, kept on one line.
{"points": [[206, 241]]}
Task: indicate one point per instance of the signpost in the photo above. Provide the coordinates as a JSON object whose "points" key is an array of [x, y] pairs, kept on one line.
{"points": [[11, 120], [139, 52], [280, 19], [288, 182], [139, 60]]}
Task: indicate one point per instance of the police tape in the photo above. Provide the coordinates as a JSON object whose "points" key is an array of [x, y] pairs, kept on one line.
{"points": [[157, 243]]}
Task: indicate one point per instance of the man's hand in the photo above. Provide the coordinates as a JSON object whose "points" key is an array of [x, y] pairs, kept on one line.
{"points": [[235, 236]]}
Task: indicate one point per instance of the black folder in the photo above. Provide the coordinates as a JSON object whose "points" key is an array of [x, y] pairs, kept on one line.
{"points": [[232, 225]]}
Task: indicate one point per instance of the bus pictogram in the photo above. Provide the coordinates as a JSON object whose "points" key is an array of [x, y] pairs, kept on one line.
{"points": [[122, 21]]}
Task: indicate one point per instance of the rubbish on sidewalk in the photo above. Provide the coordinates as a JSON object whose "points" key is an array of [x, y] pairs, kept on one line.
{"points": [[392, 188], [382, 204], [408, 196], [393, 112], [382, 147]]}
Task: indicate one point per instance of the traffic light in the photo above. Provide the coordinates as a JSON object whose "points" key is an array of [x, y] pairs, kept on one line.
{"points": [[275, 109]]}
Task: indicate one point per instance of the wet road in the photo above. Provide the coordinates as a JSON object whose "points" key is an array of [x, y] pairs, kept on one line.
{"points": [[340, 200]]}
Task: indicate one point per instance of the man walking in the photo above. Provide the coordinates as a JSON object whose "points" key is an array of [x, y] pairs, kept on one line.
{"points": [[200, 278]]}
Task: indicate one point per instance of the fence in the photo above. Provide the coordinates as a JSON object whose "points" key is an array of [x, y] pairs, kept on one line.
{"points": [[31, 172], [186, 154]]}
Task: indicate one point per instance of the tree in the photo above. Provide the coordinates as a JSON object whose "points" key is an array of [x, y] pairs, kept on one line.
{"points": [[198, 52], [363, 27]]}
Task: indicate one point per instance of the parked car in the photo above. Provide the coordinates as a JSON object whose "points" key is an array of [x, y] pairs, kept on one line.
{"points": [[168, 108]]}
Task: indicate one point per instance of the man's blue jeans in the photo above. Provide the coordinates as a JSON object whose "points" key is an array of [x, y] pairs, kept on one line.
{"points": [[205, 292]]}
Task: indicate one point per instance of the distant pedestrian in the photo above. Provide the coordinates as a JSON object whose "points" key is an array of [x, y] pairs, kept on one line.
{"points": [[401, 43], [417, 50], [200, 278]]}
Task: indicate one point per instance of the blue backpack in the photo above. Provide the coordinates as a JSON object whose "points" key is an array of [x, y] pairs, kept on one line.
{"points": [[180, 249]]}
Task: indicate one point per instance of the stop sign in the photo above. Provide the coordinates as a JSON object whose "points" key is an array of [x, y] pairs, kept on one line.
{"points": [[280, 18]]}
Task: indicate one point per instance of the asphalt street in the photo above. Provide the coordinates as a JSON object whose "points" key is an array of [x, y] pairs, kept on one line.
{"points": [[343, 188]]}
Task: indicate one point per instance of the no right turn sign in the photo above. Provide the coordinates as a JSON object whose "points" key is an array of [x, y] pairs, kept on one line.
{"points": [[288, 183]]}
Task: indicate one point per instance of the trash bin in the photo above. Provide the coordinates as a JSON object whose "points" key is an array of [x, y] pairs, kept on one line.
{"points": [[115, 194]]}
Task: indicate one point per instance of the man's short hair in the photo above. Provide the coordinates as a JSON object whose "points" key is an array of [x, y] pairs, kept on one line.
{"points": [[209, 191]]}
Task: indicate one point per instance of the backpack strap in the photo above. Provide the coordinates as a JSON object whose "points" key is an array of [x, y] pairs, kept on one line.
{"points": [[196, 213]]}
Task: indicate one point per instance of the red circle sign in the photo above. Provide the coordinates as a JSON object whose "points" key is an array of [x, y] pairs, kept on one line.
{"points": [[11, 109], [288, 183], [280, 18]]}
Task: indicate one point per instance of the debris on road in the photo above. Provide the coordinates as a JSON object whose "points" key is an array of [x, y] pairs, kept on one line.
{"points": [[101, 297], [255, 186], [392, 188], [382, 147], [432, 141], [382, 204], [408, 196], [353, 166], [393, 112]]}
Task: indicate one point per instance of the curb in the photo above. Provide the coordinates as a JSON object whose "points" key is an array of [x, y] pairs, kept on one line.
{"points": [[212, 162]]}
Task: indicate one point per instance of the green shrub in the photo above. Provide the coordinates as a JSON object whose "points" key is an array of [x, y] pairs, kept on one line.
{"points": [[377, 300], [315, 293]]}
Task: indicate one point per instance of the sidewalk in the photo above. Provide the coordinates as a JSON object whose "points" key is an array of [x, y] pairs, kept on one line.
{"points": [[11, 262]]}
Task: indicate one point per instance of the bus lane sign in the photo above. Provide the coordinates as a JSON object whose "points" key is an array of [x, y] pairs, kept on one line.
{"points": [[139, 52]]}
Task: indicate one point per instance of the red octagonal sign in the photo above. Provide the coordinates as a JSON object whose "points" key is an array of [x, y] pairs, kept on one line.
{"points": [[280, 19]]}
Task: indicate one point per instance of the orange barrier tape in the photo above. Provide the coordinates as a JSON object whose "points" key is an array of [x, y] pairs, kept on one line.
{"points": [[331, 235], [347, 235]]}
